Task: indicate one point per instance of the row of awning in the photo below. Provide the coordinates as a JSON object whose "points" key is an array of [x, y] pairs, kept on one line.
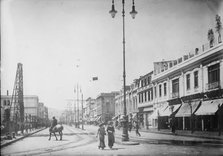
{"points": [[209, 107], [96, 119], [121, 117]]}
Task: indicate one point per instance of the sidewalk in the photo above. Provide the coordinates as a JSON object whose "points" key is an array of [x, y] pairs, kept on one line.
{"points": [[19, 136], [187, 133]]}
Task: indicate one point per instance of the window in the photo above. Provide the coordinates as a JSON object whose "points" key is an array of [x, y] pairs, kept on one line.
{"points": [[175, 88], [160, 90], [142, 97], [151, 94], [188, 81], [145, 95], [149, 80], [164, 88], [213, 73], [141, 83], [148, 95], [195, 79], [155, 91]]}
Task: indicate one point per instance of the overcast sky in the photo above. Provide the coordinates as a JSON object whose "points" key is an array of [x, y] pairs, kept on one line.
{"points": [[64, 42]]}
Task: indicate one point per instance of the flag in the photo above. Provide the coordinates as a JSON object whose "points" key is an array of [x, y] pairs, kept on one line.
{"points": [[95, 78]]}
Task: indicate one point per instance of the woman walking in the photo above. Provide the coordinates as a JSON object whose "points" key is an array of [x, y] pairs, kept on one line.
{"points": [[111, 137], [101, 133]]}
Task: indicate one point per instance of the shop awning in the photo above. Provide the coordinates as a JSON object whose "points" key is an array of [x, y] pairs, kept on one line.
{"points": [[148, 109], [167, 111], [98, 118], [185, 109], [154, 115], [209, 107], [115, 117]]}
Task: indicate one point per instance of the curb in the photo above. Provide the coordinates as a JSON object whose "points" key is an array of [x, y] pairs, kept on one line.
{"points": [[13, 141], [196, 136]]}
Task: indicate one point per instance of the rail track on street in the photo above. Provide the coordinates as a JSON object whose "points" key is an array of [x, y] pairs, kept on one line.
{"points": [[81, 139]]}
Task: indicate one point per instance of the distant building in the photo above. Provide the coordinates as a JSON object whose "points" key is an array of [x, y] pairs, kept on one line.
{"points": [[90, 114], [146, 95], [105, 106], [33, 110]]}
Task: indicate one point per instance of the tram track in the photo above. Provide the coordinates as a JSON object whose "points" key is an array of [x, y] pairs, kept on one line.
{"points": [[80, 140]]}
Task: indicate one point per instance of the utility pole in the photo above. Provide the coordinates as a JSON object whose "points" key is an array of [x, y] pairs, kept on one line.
{"points": [[78, 122], [82, 111]]}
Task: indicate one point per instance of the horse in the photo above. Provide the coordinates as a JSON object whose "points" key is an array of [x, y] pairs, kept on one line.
{"points": [[57, 128]]}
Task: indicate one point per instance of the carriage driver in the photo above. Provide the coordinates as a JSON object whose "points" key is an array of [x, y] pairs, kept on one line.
{"points": [[54, 123]]}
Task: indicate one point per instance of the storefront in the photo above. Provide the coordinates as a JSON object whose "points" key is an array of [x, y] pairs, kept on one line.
{"points": [[206, 115], [185, 114], [165, 114]]}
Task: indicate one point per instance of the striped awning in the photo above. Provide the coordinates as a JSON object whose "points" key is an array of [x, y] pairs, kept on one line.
{"points": [[209, 107]]}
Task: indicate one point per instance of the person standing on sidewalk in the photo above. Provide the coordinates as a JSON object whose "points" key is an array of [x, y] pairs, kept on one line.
{"points": [[220, 119], [111, 137], [137, 129], [101, 133]]}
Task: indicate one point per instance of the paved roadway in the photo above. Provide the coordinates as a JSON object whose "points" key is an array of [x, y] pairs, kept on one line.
{"points": [[84, 142]]}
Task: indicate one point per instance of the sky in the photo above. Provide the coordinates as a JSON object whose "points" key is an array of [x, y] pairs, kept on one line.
{"points": [[64, 43]]}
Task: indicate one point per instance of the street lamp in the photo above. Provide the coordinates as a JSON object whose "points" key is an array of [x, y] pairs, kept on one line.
{"points": [[133, 13]]}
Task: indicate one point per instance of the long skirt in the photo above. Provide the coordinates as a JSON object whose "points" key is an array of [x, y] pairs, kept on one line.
{"points": [[111, 140], [101, 141]]}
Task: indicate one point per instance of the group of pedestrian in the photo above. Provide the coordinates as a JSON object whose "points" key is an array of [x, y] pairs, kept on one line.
{"points": [[101, 133]]}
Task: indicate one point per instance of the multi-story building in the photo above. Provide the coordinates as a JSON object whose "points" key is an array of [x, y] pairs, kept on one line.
{"points": [[90, 114], [145, 99], [119, 102], [190, 89], [105, 106], [33, 110], [131, 102]]}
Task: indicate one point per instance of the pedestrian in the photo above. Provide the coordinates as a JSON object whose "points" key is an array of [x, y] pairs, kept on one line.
{"points": [[137, 129], [172, 124], [101, 133], [220, 119], [54, 123], [130, 126], [111, 137]]}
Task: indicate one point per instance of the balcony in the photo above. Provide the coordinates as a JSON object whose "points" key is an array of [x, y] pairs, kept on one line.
{"points": [[175, 95], [213, 85]]}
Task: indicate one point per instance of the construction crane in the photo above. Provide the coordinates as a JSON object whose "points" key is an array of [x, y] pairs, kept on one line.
{"points": [[17, 103]]}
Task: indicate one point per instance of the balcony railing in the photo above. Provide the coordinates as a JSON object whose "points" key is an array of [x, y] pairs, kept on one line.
{"points": [[175, 95], [213, 85]]}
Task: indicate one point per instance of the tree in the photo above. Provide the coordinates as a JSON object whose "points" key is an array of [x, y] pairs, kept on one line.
{"points": [[211, 37], [218, 27]]}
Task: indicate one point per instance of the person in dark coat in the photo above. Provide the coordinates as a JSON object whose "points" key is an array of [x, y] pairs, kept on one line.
{"points": [[137, 129], [111, 137], [220, 119], [101, 133], [54, 123]]}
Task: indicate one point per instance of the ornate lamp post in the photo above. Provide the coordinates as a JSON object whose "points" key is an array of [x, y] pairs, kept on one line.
{"points": [[133, 13]]}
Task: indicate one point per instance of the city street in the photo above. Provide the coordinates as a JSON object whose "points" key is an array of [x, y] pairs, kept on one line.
{"points": [[84, 142]]}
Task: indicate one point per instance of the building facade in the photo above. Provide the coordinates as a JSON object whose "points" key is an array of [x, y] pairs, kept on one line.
{"points": [[34, 112], [105, 106], [188, 86]]}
